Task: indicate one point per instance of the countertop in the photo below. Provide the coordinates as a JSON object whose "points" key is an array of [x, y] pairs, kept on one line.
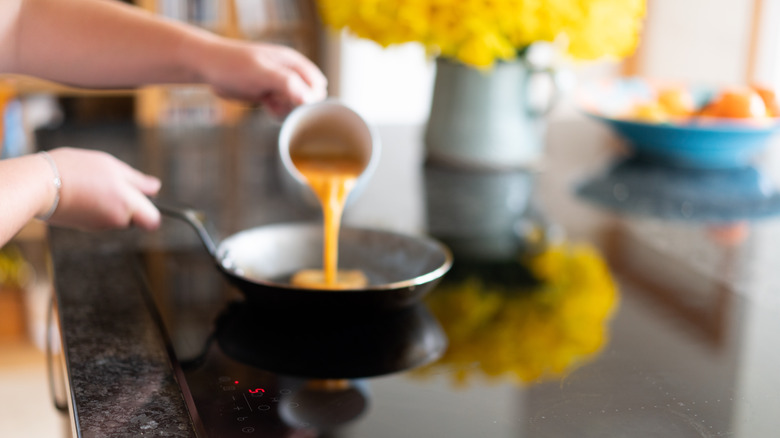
{"points": [[122, 379], [696, 272]]}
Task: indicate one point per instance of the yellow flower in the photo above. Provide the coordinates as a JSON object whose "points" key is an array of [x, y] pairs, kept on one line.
{"points": [[482, 50], [479, 32], [531, 333]]}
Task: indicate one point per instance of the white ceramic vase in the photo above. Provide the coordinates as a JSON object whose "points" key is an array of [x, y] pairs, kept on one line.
{"points": [[483, 119]]}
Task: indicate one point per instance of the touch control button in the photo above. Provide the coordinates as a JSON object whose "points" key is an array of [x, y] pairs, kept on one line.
{"points": [[263, 408], [248, 430]]}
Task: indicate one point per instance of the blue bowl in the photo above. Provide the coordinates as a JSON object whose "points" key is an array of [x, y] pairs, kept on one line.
{"points": [[710, 143]]}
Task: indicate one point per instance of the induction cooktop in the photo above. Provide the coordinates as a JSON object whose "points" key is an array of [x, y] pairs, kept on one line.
{"points": [[463, 363], [248, 370]]}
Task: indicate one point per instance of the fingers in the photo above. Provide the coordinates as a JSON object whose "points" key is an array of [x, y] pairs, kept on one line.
{"points": [[143, 213], [306, 70], [294, 78], [278, 77], [277, 106], [311, 75], [147, 184], [297, 90], [287, 91], [294, 86]]}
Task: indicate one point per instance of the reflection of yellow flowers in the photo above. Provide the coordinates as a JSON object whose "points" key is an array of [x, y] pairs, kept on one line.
{"points": [[528, 334], [478, 32], [14, 271]]}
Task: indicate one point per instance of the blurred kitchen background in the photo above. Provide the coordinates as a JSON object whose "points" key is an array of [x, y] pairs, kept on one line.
{"points": [[713, 41]]}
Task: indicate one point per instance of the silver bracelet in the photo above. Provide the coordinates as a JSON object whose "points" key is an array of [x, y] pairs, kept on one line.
{"points": [[57, 185]]}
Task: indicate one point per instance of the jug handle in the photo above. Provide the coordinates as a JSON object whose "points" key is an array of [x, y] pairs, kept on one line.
{"points": [[555, 94]]}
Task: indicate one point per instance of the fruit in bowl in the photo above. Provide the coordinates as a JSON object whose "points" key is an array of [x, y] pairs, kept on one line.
{"points": [[755, 103], [689, 125]]}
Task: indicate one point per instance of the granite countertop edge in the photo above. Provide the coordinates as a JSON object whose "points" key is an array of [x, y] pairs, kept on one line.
{"points": [[121, 375]]}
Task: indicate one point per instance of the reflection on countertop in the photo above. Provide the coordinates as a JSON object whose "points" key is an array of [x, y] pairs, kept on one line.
{"points": [[521, 303], [651, 189], [319, 346], [690, 345]]}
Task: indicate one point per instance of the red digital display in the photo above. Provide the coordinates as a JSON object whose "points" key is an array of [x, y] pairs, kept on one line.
{"points": [[256, 390]]}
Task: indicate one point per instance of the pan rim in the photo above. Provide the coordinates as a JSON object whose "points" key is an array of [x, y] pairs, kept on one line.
{"points": [[225, 264]]}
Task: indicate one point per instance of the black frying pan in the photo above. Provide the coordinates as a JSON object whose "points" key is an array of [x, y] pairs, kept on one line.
{"points": [[259, 261]]}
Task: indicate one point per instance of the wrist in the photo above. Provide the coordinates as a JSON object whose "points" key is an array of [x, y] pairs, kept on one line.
{"points": [[197, 53], [53, 187]]}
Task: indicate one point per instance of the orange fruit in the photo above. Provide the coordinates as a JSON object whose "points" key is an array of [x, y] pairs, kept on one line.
{"points": [[709, 110], [676, 102], [649, 112], [769, 98], [738, 103]]}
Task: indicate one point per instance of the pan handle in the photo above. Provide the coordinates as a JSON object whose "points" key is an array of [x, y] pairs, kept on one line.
{"points": [[196, 219]]}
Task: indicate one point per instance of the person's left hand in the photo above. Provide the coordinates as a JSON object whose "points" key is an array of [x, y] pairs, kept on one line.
{"points": [[100, 192], [275, 76]]}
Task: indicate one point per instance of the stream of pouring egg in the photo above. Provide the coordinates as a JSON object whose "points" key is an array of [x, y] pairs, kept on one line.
{"points": [[332, 173]]}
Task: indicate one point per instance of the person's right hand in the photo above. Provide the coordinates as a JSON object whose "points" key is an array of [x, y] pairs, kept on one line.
{"points": [[101, 192], [275, 76]]}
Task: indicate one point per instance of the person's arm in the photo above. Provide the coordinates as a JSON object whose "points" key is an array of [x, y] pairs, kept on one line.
{"points": [[103, 43], [108, 44], [27, 191], [98, 192]]}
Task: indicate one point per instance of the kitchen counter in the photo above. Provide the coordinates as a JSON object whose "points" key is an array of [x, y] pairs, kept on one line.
{"points": [[690, 348], [121, 375], [122, 379]]}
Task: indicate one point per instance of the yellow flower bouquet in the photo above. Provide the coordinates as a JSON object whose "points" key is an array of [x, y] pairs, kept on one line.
{"points": [[531, 334], [479, 32]]}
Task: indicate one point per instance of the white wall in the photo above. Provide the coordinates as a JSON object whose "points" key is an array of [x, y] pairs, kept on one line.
{"points": [[387, 86], [697, 39], [768, 62]]}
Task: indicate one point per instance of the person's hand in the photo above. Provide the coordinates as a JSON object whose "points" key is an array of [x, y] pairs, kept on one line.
{"points": [[277, 77], [101, 192]]}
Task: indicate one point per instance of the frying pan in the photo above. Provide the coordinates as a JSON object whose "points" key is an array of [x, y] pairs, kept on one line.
{"points": [[400, 268]]}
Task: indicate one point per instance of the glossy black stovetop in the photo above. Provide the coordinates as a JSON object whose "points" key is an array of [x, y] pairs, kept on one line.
{"points": [[247, 370]]}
